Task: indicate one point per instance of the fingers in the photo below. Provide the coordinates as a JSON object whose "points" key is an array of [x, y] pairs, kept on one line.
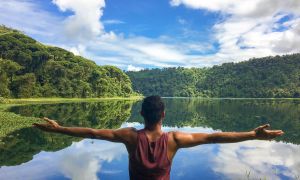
{"points": [[278, 132], [274, 133], [44, 127], [50, 121], [264, 126], [47, 119]]}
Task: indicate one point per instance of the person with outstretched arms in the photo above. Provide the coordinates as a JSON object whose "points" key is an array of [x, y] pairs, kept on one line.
{"points": [[151, 150]]}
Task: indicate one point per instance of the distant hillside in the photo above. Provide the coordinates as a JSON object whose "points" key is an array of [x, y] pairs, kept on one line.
{"points": [[31, 69], [268, 77]]}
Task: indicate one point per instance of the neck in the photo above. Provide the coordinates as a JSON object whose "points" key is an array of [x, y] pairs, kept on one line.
{"points": [[155, 127]]}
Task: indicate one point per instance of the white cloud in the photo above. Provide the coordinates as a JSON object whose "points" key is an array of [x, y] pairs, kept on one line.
{"points": [[248, 27], [113, 21], [249, 8], [85, 23], [141, 51], [28, 17], [159, 51], [133, 68], [77, 50], [84, 34], [247, 32]]}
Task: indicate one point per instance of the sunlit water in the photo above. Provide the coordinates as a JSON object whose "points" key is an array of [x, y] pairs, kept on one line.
{"points": [[31, 154]]}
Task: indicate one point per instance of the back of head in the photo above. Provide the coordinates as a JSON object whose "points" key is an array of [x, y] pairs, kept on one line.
{"points": [[152, 109]]}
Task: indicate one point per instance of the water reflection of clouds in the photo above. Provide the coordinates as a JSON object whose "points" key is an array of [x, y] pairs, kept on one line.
{"points": [[263, 159], [90, 159], [82, 160]]}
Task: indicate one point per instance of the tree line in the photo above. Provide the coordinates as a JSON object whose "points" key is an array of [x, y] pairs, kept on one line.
{"points": [[31, 69], [268, 77]]}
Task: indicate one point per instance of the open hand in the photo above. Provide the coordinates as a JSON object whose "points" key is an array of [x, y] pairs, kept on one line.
{"points": [[263, 133], [51, 125]]}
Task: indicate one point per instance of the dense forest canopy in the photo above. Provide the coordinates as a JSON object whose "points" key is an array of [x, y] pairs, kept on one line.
{"points": [[31, 69], [268, 77]]}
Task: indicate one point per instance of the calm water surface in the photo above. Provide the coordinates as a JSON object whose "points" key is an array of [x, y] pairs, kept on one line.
{"points": [[32, 154]]}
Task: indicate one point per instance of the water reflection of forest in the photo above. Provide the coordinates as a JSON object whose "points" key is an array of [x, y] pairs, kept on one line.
{"points": [[226, 115], [232, 114], [21, 145]]}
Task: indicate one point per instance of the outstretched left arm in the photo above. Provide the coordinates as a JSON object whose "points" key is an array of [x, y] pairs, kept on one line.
{"points": [[123, 135], [193, 139]]}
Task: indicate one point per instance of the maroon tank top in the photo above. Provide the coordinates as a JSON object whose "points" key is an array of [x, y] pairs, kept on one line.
{"points": [[150, 159]]}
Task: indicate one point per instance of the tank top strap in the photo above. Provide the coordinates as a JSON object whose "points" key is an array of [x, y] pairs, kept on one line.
{"points": [[142, 135]]}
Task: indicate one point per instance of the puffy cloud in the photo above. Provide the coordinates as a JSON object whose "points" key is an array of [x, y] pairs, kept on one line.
{"points": [[248, 28], [249, 8], [252, 28], [87, 37], [85, 23]]}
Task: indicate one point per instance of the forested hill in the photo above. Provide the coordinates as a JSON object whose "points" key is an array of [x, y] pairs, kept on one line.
{"points": [[269, 77], [31, 69]]}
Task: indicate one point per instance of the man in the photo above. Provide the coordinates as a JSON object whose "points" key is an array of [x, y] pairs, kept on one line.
{"points": [[150, 149]]}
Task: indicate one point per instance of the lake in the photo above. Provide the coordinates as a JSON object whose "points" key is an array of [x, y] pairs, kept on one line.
{"points": [[32, 154]]}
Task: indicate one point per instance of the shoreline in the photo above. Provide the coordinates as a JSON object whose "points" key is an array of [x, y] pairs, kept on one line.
{"points": [[20, 101], [59, 100]]}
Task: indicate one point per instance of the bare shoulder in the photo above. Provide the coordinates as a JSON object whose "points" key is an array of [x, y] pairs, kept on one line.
{"points": [[176, 135], [174, 141], [128, 131], [128, 134], [171, 134], [185, 139]]}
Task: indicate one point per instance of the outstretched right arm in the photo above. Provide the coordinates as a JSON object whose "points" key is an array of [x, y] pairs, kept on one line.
{"points": [[184, 140], [123, 135]]}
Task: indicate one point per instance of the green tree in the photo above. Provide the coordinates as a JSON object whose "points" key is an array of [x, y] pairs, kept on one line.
{"points": [[24, 86]]}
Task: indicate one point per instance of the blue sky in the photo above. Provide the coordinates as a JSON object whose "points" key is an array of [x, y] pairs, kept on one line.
{"points": [[135, 34]]}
